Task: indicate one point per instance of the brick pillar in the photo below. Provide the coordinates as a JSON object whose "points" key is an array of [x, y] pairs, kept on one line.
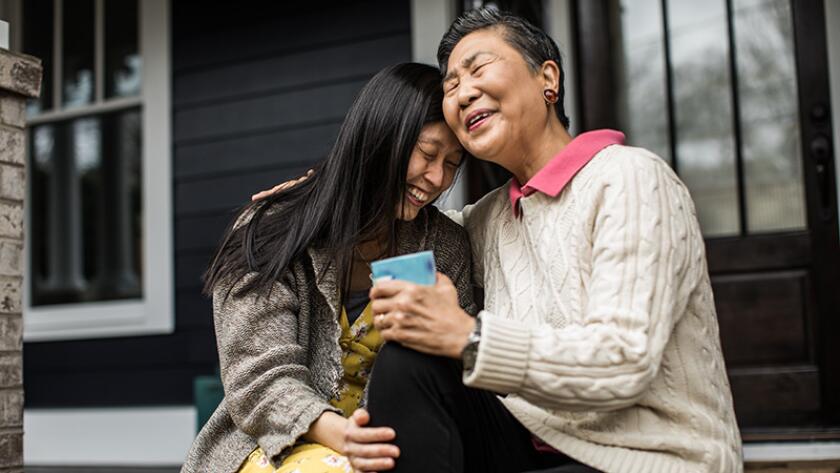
{"points": [[20, 78]]}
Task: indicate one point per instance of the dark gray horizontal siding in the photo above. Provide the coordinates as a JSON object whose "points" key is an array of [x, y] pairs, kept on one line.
{"points": [[200, 232], [261, 152], [189, 266], [269, 29], [260, 115], [259, 92], [223, 193], [289, 72]]}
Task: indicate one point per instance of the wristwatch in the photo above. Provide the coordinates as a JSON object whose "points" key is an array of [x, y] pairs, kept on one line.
{"points": [[470, 351]]}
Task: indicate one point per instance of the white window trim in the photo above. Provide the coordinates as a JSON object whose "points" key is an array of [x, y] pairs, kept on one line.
{"points": [[154, 313], [429, 21], [126, 436], [832, 20], [791, 451], [560, 23]]}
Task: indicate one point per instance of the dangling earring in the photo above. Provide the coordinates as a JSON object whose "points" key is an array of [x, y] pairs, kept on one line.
{"points": [[550, 96]]}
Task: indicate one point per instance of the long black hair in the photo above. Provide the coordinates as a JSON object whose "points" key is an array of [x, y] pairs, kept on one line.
{"points": [[354, 195]]}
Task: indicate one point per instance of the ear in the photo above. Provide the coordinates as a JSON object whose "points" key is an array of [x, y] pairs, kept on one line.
{"points": [[550, 75]]}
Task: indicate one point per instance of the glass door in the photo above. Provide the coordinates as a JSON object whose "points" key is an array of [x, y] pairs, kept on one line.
{"points": [[734, 95]]}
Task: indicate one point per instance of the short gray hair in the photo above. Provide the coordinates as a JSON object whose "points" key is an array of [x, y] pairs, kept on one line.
{"points": [[533, 44]]}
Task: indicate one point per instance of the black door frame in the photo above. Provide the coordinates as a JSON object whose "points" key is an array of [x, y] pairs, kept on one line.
{"points": [[820, 188], [597, 109]]}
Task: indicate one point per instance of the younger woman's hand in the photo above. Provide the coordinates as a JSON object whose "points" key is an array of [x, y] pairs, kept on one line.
{"points": [[366, 447]]}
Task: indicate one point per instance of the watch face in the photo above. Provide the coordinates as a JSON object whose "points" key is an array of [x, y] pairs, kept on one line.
{"points": [[470, 352], [469, 355]]}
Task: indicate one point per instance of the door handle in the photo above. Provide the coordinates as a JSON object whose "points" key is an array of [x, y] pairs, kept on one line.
{"points": [[820, 149]]}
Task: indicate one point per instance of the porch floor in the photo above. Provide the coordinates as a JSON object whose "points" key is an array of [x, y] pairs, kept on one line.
{"points": [[99, 469], [828, 466], [831, 466]]}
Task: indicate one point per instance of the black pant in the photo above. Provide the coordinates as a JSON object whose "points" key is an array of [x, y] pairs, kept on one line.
{"points": [[444, 426]]}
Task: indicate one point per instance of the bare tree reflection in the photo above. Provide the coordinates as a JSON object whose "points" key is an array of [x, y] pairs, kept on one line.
{"points": [[704, 119]]}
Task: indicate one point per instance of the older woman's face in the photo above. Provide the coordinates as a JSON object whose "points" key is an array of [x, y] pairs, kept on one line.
{"points": [[492, 99]]}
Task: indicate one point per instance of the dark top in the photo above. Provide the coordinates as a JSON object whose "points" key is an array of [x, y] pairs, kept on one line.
{"points": [[355, 304]]}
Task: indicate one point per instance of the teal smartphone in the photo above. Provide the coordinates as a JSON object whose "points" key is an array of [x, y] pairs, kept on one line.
{"points": [[418, 268]]}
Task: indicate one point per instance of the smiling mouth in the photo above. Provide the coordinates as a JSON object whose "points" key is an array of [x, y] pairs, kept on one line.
{"points": [[417, 197], [475, 120]]}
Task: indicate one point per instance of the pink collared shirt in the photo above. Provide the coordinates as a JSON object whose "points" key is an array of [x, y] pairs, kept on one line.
{"points": [[552, 178]]}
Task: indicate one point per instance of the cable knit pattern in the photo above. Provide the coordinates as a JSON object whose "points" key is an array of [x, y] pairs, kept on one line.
{"points": [[600, 323]]}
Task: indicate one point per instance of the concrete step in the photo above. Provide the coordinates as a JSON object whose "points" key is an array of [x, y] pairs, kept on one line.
{"points": [[827, 466]]}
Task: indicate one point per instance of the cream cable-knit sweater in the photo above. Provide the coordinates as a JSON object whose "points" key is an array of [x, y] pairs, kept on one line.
{"points": [[600, 324]]}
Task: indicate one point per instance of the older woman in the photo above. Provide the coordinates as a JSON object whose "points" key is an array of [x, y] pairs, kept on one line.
{"points": [[599, 333]]}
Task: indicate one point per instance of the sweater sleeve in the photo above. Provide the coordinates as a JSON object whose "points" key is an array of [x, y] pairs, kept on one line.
{"points": [[454, 259], [474, 226], [642, 229], [267, 384]]}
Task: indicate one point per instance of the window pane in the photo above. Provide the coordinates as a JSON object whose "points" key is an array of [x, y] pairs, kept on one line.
{"points": [[767, 90], [38, 41], [42, 146], [57, 236], [643, 105], [120, 268], [87, 209], [87, 154], [78, 58], [122, 56], [703, 111]]}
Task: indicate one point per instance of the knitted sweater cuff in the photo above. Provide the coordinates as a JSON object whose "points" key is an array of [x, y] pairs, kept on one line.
{"points": [[502, 355]]}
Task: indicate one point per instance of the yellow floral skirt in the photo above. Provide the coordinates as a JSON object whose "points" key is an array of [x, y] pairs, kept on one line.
{"points": [[306, 458], [360, 343]]}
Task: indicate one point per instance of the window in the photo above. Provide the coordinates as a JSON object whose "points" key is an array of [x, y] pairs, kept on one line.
{"points": [[99, 251], [711, 86]]}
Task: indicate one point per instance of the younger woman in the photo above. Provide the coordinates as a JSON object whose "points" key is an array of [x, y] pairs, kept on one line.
{"points": [[290, 281]]}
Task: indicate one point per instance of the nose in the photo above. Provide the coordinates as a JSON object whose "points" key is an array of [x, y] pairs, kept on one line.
{"points": [[467, 94], [434, 174]]}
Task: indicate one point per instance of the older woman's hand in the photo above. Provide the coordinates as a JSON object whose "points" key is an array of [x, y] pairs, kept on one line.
{"points": [[365, 447], [283, 186], [424, 318]]}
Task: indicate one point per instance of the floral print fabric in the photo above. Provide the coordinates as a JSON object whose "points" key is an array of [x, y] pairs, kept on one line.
{"points": [[360, 342]]}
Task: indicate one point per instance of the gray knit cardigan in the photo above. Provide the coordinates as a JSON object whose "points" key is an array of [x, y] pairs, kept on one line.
{"points": [[279, 355]]}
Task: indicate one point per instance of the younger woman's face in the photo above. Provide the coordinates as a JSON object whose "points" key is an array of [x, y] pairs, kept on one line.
{"points": [[431, 168]]}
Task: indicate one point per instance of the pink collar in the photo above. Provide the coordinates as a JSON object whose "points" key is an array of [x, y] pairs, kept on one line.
{"points": [[552, 178]]}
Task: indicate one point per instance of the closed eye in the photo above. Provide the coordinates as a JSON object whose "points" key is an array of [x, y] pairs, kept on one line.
{"points": [[426, 154], [479, 67]]}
